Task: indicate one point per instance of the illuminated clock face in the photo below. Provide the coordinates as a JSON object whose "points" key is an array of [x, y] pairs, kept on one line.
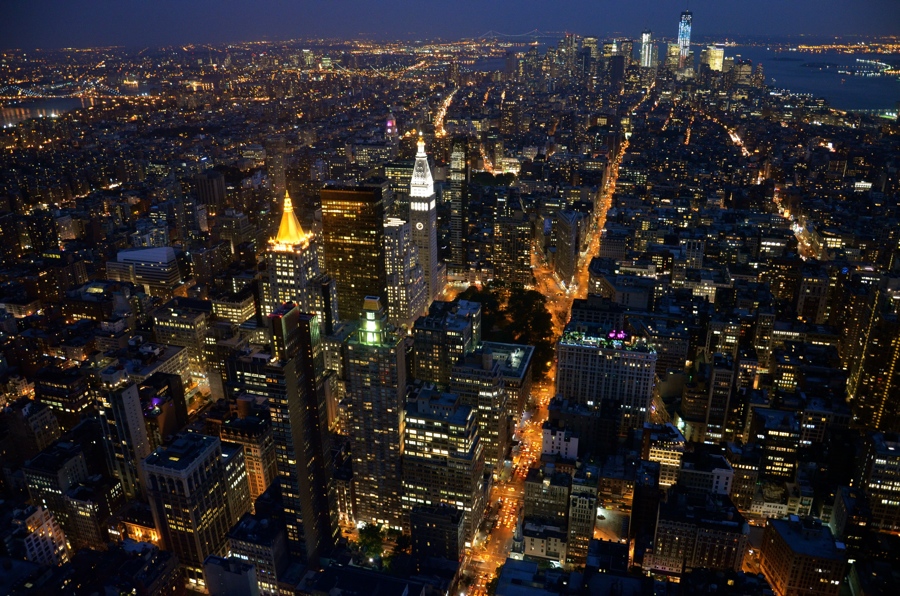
{"points": [[420, 225]]}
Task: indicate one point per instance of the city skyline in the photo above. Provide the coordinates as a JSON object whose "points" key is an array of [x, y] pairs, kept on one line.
{"points": [[569, 313], [57, 24]]}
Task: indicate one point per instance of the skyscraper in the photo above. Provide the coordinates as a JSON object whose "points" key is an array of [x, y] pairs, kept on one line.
{"points": [[353, 229], [406, 288], [458, 196], [125, 433], [188, 493], [684, 39], [293, 263], [598, 368], [287, 377], [479, 383], [376, 390], [647, 49], [423, 217], [443, 458]]}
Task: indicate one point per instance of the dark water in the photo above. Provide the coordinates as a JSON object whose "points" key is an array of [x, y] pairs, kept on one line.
{"points": [[11, 113], [786, 70]]}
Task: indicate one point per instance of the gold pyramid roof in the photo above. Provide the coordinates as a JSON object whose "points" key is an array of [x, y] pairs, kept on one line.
{"points": [[289, 232]]}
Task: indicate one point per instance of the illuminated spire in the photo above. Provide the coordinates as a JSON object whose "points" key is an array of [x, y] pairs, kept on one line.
{"points": [[289, 232], [421, 184]]}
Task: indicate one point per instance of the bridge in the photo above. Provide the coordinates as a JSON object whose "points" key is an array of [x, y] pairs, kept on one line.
{"points": [[88, 89], [533, 34]]}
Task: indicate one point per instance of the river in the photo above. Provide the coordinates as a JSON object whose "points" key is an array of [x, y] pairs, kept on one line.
{"points": [[11, 113]]}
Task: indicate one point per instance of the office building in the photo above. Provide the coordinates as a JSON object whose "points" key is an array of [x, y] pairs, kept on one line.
{"points": [[800, 556], [230, 576], [423, 219], [458, 197], [376, 391], [154, 269], [211, 190], [512, 249], [353, 234], [879, 477], [695, 531], [664, 443], [437, 531], [289, 375], [582, 515], [710, 410], [443, 458], [478, 382], [705, 473], [261, 542], [442, 337], [124, 433], [237, 486], [44, 540], [515, 367], [405, 290], [255, 435], [53, 472], [547, 494], [597, 367], [292, 260], [188, 492]]}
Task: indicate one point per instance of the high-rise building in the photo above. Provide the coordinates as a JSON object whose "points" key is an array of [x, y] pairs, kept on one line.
{"points": [[44, 540], [275, 148], [290, 376], [262, 542], [443, 458], [436, 531], [664, 443], [125, 434], [582, 515], [458, 197], [155, 269], [598, 367], [512, 249], [353, 229], [255, 435], [211, 190], [188, 493], [647, 49], [423, 219], [448, 332], [684, 39], [477, 380], [696, 531], [53, 472], [708, 400], [879, 477], [292, 260], [800, 556], [376, 390], [406, 289]]}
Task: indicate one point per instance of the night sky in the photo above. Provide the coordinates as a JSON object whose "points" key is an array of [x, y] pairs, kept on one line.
{"points": [[138, 23]]}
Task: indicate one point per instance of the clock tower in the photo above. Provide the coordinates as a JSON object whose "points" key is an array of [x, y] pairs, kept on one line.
{"points": [[423, 217]]}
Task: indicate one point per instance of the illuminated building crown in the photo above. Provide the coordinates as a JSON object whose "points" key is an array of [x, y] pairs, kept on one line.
{"points": [[421, 184], [289, 232]]}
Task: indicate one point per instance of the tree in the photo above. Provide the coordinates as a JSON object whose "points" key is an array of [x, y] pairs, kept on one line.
{"points": [[371, 540], [515, 315]]}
